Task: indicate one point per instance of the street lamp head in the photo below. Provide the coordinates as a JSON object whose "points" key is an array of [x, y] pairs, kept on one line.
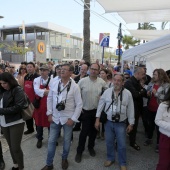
{"points": [[1, 17]]}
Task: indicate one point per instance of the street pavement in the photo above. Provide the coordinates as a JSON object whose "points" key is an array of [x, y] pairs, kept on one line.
{"points": [[34, 158]]}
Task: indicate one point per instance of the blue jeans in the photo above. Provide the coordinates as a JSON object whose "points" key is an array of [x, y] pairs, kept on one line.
{"points": [[53, 136], [116, 130]]}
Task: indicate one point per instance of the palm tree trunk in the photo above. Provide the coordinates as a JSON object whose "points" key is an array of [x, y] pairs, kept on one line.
{"points": [[86, 31]]}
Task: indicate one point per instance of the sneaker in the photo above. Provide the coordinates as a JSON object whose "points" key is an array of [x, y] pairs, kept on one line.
{"points": [[108, 163], [148, 142], [39, 144], [92, 152], [64, 164], [78, 157]]}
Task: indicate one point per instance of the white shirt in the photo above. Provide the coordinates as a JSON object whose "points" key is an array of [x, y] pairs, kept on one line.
{"points": [[91, 92], [163, 119], [73, 104], [40, 81], [127, 105]]}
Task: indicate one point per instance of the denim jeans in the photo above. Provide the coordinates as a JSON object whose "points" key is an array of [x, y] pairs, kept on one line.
{"points": [[53, 136], [116, 130]]}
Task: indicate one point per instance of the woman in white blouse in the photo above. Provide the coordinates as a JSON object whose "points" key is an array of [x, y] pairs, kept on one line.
{"points": [[163, 121]]}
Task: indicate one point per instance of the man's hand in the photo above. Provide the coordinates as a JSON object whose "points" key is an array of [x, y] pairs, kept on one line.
{"points": [[129, 128], [70, 122], [46, 92], [50, 118], [97, 124]]}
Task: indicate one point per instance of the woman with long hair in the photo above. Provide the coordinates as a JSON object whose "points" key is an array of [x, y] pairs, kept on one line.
{"points": [[22, 73], [12, 99], [156, 91], [163, 121]]}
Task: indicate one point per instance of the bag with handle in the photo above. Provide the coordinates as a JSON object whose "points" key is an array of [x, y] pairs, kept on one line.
{"points": [[28, 109]]}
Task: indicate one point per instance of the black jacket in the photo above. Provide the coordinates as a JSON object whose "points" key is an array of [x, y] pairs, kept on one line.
{"points": [[133, 85], [13, 102]]}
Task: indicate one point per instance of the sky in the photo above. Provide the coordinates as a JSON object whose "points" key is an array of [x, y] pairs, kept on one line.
{"points": [[67, 13]]}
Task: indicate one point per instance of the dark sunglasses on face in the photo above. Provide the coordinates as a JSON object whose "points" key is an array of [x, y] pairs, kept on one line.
{"points": [[127, 77]]}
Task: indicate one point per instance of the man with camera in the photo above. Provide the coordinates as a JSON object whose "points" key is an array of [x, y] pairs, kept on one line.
{"points": [[118, 105], [64, 105]]}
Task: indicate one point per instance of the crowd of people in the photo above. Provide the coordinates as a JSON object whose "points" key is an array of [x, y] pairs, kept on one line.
{"points": [[95, 99]]}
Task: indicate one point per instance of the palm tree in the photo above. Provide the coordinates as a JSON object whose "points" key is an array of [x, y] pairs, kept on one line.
{"points": [[163, 25], [147, 26], [129, 41], [86, 31]]}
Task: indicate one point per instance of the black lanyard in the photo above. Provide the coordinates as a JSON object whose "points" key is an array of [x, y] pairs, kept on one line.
{"points": [[60, 91], [113, 99]]}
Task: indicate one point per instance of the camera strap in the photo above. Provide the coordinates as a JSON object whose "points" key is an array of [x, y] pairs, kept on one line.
{"points": [[67, 86], [113, 98]]}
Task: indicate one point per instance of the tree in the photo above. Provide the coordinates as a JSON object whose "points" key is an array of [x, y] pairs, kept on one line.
{"points": [[147, 26], [13, 48], [129, 41], [86, 31]]}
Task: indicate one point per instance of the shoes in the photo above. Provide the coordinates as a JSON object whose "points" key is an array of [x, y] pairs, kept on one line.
{"points": [[64, 164], [92, 152], [47, 167], [78, 157], [157, 148], [148, 142], [2, 165], [135, 146], [123, 168], [39, 144], [28, 132], [13, 168], [108, 163], [56, 143]]}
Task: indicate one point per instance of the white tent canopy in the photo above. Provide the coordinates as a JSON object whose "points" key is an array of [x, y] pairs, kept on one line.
{"points": [[148, 35], [133, 5], [145, 16], [155, 53]]}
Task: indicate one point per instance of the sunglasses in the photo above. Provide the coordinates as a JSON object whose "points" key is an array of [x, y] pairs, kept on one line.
{"points": [[11, 67]]}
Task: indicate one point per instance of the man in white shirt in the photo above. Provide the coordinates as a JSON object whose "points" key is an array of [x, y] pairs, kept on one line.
{"points": [[119, 106], [64, 105]]}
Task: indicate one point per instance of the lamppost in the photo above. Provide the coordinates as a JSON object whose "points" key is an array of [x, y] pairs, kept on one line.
{"points": [[119, 37]]}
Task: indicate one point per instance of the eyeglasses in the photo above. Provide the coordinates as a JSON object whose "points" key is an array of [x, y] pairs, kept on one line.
{"points": [[93, 69], [64, 69], [11, 67], [127, 77]]}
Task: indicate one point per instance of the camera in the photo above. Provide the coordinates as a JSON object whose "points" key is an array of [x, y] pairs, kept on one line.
{"points": [[116, 117], [60, 106]]}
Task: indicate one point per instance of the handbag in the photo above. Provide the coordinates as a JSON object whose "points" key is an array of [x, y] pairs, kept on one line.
{"points": [[103, 116], [27, 110], [36, 101]]}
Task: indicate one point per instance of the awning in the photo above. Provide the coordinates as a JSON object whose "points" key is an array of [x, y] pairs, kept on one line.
{"points": [[148, 35], [145, 16], [133, 5], [155, 53]]}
